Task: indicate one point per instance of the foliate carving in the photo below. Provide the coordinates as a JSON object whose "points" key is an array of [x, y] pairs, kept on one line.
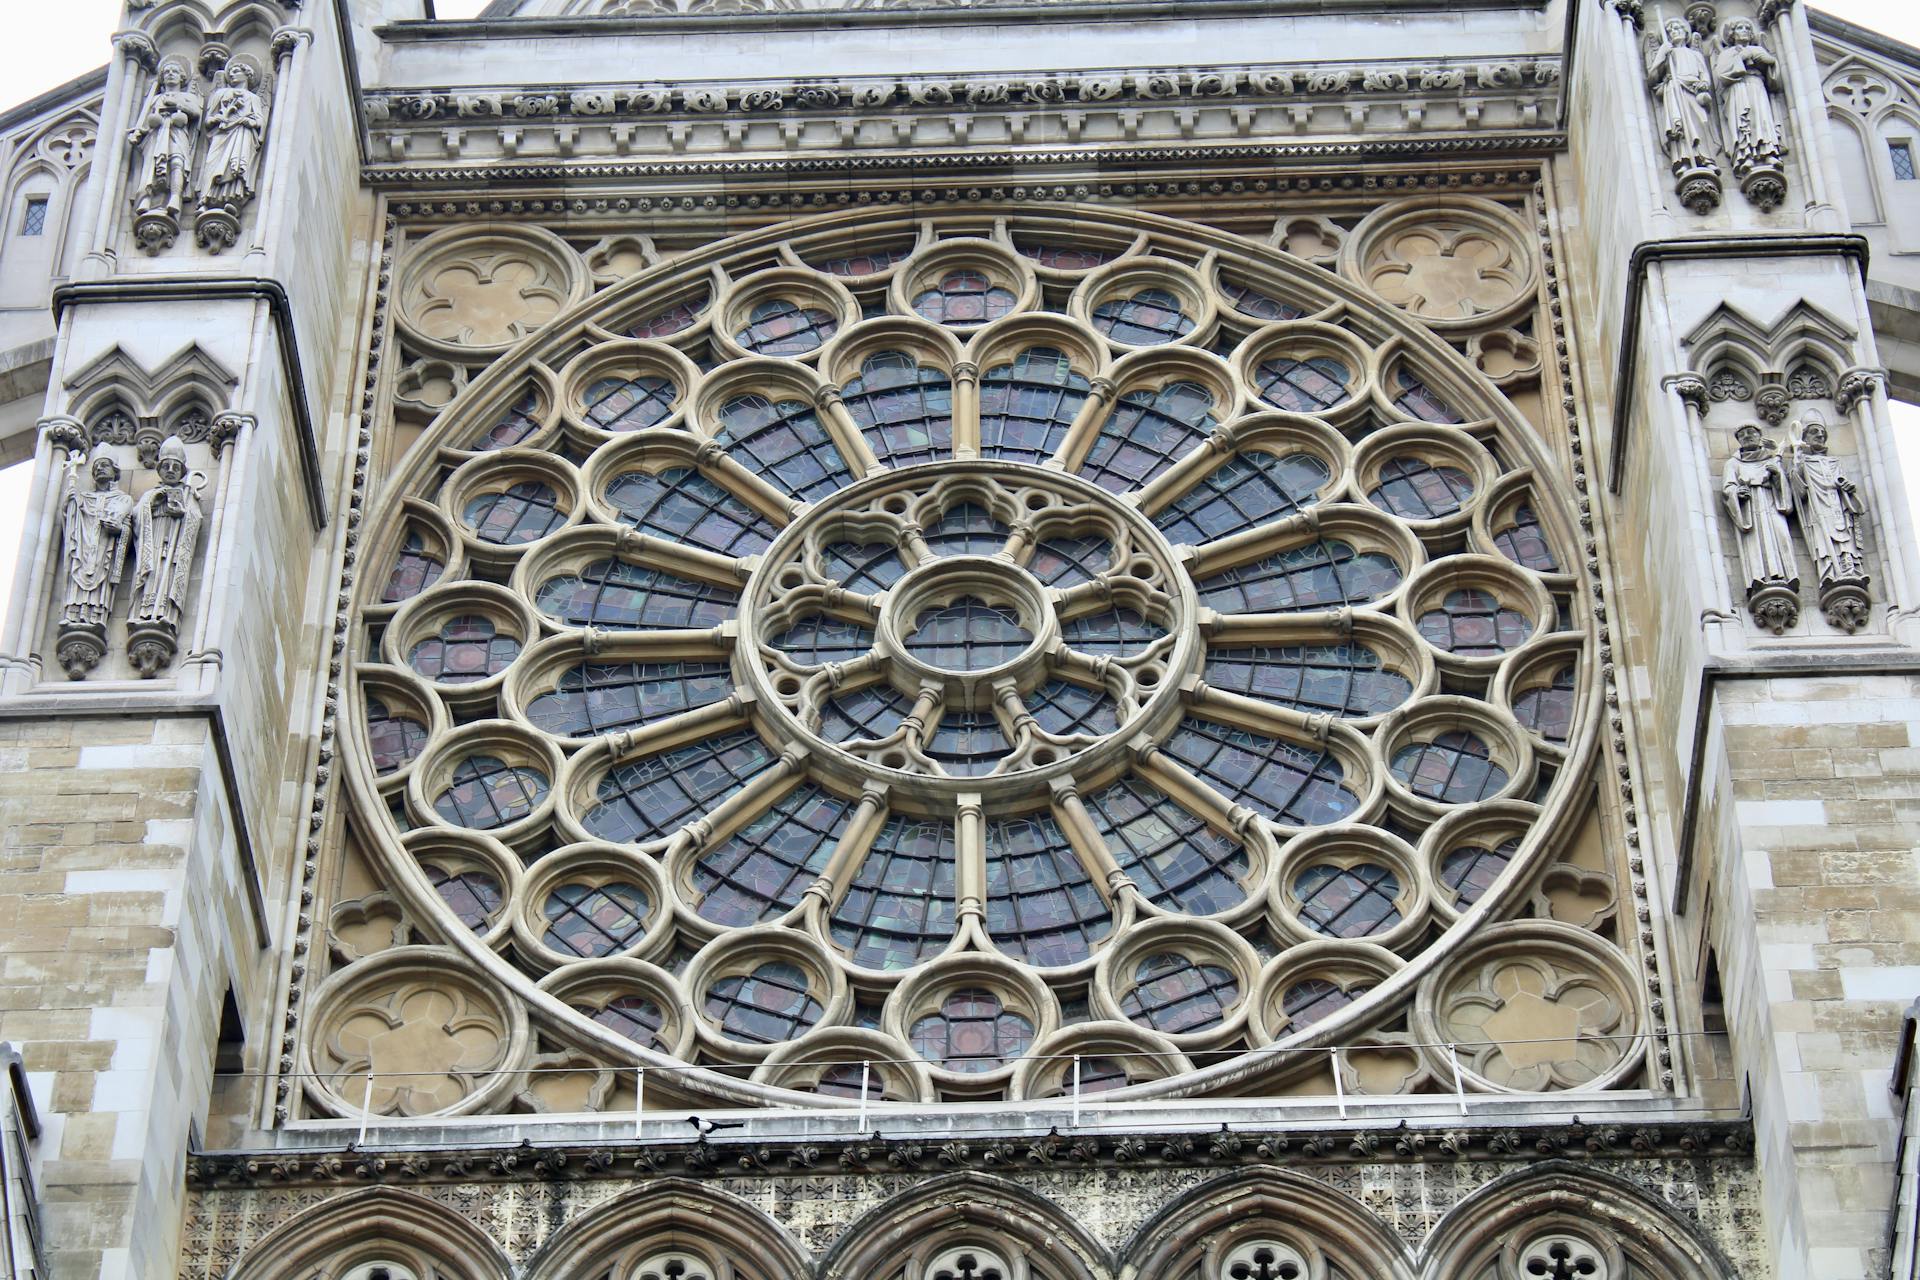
{"points": [[166, 525], [1829, 506], [1747, 76], [1729, 385], [1692, 390], [1809, 384], [163, 138], [1772, 402], [95, 528], [66, 433], [1855, 385], [236, 122], [1682, 85], [1758, 497]]}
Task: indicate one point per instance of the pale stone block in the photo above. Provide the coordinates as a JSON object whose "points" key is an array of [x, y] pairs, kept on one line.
{"points": [[1900, 983], [143, 755], [1782, 813], [124, 1091]]}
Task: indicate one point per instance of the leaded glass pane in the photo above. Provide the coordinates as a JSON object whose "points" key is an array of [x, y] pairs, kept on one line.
{"points": [[967, 530], [633, 1016], [1294, 785], [1147, 432], [1067, 562], [468, 648], [1319, 575], [760, 871], [1027, 406], [606, 697], [1314, 999], [968, 635], [1525, 543], [967, 744], [1455, 768], [1248, 490], [1548, 709], [1344, 679], [1304, 386], [964, 297], [820, 639], [518, 422], [629, 404], [414, 570], [1473, 624], [1471, 870], [973, 1032], [394, 740], [1149, 318], [870, 263], [517, 515], [651, 797], [1177, 995], [1348, 902], [782, 327], [675, 319], [1249, 301], [681, 505], [771, 1005], [905, 410], [1062, 257], [785, 443], [1416, 399], [486, 792], [1112, 634], [474, 896], [1064, 708], [1042, 906], [864, 567], [1176, 859], [900, 907], [619, 593], [595, 920], [1416, 489], [871, 713]]}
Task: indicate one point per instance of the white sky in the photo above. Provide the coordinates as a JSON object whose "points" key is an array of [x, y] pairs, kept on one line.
{"points": [[48, 44]]}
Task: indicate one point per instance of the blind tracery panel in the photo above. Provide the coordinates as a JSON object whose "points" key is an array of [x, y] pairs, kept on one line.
{"points": [[951, 647]]}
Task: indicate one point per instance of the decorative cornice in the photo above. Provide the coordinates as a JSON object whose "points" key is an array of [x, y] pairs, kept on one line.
{"points": [[1257, 160], [1223, 1147], [852, 116]]}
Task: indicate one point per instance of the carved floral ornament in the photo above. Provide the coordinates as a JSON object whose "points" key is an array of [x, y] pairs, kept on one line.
{"points": [[964, 645]]}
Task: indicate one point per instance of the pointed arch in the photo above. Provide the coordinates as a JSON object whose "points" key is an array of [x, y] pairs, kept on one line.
{"points": [[1171, 1244], [974, 1208], [676, 1214], [1559, 1195], [379, 1223]]}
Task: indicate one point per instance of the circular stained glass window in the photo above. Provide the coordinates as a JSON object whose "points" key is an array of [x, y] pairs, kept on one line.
{"points": [[991, 639]]}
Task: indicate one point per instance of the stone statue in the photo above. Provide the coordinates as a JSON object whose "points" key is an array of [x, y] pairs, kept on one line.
{"points": [[1682, 86], [163, 141], [236, 125], [94, 530], [1830, 508], [1758, 497], [1747, 76], [166, 526]]}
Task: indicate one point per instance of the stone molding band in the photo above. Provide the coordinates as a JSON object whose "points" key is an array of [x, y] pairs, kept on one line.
{"points": [[1221, 1148], [199, 288], [1680, 248]]}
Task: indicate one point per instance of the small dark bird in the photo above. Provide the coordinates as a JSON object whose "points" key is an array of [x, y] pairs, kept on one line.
{"points": [[706, 1127]]}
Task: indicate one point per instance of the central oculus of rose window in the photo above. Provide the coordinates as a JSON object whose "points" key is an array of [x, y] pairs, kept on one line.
{"points": [[1020, 616]]}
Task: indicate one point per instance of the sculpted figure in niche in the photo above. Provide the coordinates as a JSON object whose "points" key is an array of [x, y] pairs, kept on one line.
{"points": [[1830, 508], [166, 526], [163, 139], [236, 123], [1747, 76], [1758, 496], [1682, 86], [95, 525]]}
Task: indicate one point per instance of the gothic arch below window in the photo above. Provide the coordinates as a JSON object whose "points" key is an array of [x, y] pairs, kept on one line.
{"points": [[341, 1236]]}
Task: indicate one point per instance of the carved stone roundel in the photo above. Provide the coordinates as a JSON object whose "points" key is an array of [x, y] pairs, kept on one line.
{"points": [[872, 639], [1455, 263]]}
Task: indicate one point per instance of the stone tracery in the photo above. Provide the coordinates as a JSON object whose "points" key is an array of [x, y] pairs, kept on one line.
{"points": [[997, 681]]}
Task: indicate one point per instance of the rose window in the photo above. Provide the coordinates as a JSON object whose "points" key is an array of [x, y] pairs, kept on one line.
{"points": [[1054, 641]]}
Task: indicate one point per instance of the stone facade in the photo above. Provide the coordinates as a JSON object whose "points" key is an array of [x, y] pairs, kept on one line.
{"points": [[927, 641]]}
